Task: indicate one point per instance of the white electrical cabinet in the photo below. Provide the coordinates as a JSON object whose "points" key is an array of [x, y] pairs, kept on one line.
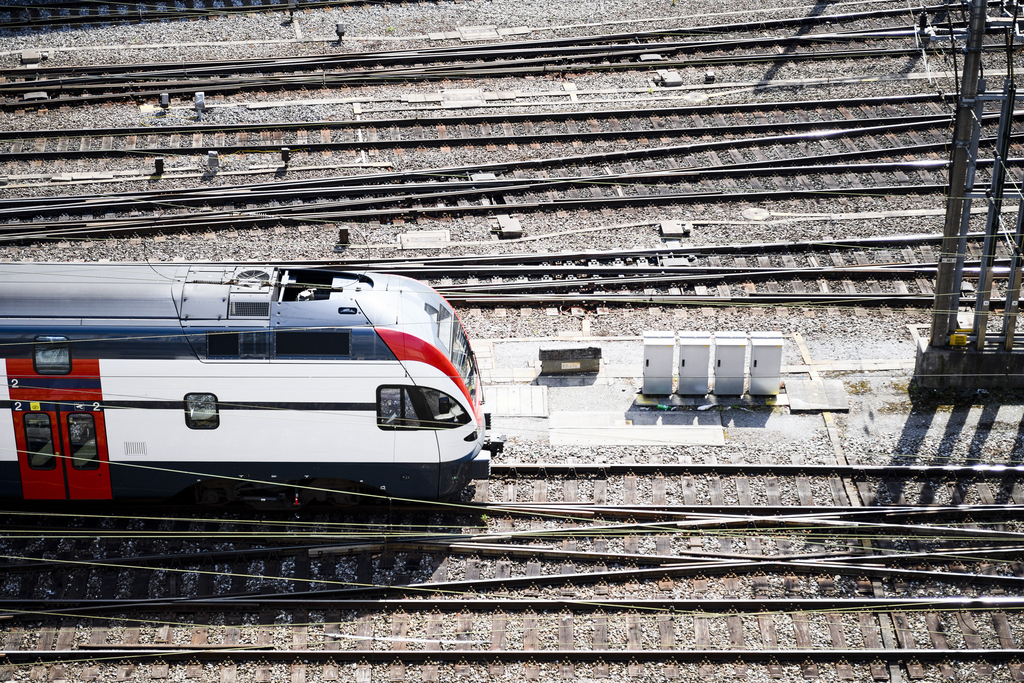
{"points": [[730, 362], [765, 363], [658, 348], [694, 361]]}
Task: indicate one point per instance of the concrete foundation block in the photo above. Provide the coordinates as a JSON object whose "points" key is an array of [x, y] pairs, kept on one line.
{"points": [[960, 368]]}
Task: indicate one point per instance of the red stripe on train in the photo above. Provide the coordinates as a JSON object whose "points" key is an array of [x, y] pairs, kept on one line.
{"points": [[408, 347]]}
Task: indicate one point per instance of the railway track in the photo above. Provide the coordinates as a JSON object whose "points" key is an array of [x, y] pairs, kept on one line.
{"points": [[851, 272], [889, 158], [884, 146], [924, 116], [70, 12], [44, 86], [868, 566], [55, 13], [814, 513], [576, 594]]}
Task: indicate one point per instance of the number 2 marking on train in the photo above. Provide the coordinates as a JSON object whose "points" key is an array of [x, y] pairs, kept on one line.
{"points": [[14, 383], [17, 405]]}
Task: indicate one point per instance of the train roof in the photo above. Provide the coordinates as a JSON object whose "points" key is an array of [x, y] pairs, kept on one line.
{"points": [[223, 295], [87, 290]]}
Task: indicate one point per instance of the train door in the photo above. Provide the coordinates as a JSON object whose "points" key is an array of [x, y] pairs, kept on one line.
{"points": [[406, 431], [59, 430], [414, 441], [38, 437], [62, 452]]}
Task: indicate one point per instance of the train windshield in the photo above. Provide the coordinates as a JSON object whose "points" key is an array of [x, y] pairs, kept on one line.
{"points": [[463, 359], [453, 339]]}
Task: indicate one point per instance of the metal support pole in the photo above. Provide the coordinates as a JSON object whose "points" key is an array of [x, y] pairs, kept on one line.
{"points": [[1013, 288], [995, 205], [944, 315], [965, 219]]}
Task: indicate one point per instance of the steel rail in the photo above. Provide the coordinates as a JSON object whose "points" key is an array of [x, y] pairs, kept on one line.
{"points": [[669, 517], [831, 525], [584, 278], [539, 276], [729, 514], [414, 264], [425, 118], [814, 131], [408, 62], [624, 40], [938, 13], [48, 13], [413, 203], [664, 299], [739, 656], [131, 227], [749, 566], [57, 91], [424, 184], [711, 568], [977, 471], [429, 178], [500, 544], [350, 197], [427, 267], [669, 605], [574, 510]]}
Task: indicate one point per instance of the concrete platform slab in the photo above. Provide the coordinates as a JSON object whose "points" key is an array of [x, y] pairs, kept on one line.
{"points": [[456, 99], [811, 395], [677, 401], [425, 239], [867, 365], [517, 400], [475, 33], [611, 429]]}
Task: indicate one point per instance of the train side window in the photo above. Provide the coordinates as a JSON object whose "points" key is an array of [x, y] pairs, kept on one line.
{"points": [[395, 409], [222, 345], [82, 442], [311, 344], [39, 441], [51, 356], [201, 411], [255, 344]]}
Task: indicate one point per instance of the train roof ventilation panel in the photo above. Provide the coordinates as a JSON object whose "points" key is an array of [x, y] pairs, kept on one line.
{"points": [[248, 278], [250, 306], [250, 293]]}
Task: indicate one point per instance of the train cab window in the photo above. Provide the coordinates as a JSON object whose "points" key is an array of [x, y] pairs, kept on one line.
{"points": [[395, 409], [39, 441], [443, 411], [418, 408], [51, 356], [82, 442], [201, 411]]}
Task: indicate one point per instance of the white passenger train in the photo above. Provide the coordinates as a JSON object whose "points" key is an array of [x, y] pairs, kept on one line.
{"points": [[266, 384]]}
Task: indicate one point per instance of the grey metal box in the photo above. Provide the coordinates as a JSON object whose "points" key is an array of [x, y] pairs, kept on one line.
{"points": [[658, 349], [694, 363], [730, 362], [765, 363], [570, 361]]}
